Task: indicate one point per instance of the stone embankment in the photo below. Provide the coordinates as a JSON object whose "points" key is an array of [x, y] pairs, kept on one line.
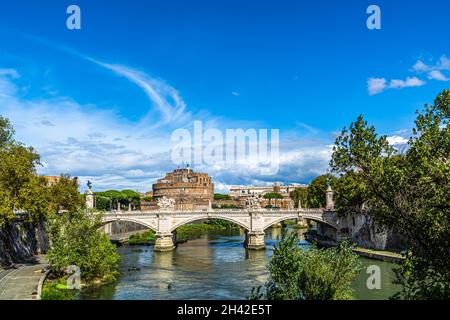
{"points": [[21, 240]]}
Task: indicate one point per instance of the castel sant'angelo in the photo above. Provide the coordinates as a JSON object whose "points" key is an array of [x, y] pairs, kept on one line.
{"points": [[191, 190]]}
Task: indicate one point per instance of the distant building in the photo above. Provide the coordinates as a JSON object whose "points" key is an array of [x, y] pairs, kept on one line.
{"points": [[52, 180], [241, 193], [148, 194], [191, 190], [248, 191]]}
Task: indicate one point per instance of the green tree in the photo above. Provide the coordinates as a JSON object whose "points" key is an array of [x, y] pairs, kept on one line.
{"points": [[316, 190], [102, 203], [313, 274], [130, 197], [409, 192], [64, 195], [272, 195], [299, 194], [6, 132], [17, 174], [76, 240], [219, 196]]}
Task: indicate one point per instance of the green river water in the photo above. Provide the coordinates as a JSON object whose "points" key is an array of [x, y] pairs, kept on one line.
{"points": [[215, 266]]}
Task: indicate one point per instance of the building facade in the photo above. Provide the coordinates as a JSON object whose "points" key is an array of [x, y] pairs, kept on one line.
{"points": [[190, 190], [240, 194], [249, 191]]}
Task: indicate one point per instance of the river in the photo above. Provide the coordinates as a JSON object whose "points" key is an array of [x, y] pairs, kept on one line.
{"points": [[215, 266]]}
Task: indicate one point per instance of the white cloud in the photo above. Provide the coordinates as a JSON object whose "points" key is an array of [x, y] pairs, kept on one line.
{"points": [[419, 66], [409, 82], [397, 140], [435, 71], [442, 65], [113, 152], [437, 75], [164, 97], [235, 93], [376, 85]]}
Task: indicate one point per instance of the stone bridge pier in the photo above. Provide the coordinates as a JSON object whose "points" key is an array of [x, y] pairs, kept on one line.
{"points": [[254, 240], [164, 241]]}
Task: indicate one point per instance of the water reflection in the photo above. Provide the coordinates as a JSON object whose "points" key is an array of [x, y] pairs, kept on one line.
{"points": [[216, 266]]}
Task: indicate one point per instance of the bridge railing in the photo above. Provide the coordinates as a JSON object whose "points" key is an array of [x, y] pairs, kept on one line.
{"points": [[308, 211]]}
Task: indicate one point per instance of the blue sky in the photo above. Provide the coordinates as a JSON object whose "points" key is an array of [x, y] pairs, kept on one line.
{"points": [[307, 68]]}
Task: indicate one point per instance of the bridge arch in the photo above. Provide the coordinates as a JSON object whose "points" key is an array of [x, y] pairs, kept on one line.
{"points": [[218, 217], [291, 217], [129, 219], [278, 220]]}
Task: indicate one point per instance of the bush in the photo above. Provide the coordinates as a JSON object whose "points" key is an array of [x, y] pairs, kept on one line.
{"points": [[144, 238], [76, 240], [314, 274], [219, 196]]}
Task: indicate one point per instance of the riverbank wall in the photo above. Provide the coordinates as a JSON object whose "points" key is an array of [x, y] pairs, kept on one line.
{"points": [[122, 227], [369, 234], [20, 240]]}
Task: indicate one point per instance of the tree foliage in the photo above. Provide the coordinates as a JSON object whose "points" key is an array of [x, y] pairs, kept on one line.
{"points": [[316, 190], [299, 194], [219, 196], [21, 189], [64, 194], [312, 274], [314, 196], [409, 192], [76, 240], [19, 184], [124, 197]]}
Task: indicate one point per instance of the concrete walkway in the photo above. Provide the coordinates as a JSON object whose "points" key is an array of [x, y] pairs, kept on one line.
{"points": [[21, 282]]}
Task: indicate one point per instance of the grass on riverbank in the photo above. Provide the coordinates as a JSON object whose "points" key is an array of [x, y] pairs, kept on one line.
{"points": [[144, 238], [57, 289], [184, 233]]}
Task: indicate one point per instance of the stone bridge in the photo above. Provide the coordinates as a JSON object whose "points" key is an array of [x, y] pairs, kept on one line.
{"points": [[254, 221]]}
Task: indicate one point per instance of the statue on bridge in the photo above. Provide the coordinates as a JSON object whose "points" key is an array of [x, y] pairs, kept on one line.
{"points": [[253, 203], [90, 197], [166, 204]]}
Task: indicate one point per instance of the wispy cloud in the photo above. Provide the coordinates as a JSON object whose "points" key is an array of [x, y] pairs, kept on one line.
{"points": [[378, 85], [101, 145], [437, 75], [9, 72], [433, 71], [164, 97], [409, 82], [443, 64]]}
